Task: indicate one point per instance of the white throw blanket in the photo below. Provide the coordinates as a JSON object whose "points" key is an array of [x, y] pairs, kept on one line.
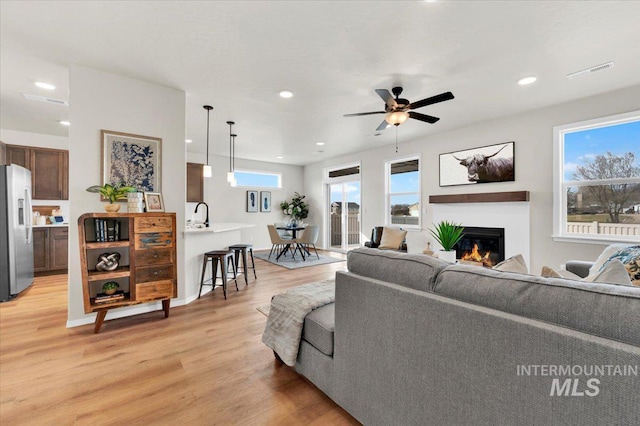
{"points": [[286, 318]]}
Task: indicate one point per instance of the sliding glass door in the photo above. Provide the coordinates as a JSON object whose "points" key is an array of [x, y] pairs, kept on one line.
{"points": [[344, 215]]}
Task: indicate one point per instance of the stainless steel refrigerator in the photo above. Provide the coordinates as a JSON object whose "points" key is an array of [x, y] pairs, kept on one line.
{"points": [[16, 233]]}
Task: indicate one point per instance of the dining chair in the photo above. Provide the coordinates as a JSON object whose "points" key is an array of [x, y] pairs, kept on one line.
{"points": [[278, 243], [308, 238]]}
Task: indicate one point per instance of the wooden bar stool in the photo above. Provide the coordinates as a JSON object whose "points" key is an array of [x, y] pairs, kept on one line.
{"points": [[224, 257], [243, 248]]}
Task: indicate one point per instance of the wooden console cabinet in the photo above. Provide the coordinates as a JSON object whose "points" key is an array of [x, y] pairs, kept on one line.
{"points": [[147, 271]]}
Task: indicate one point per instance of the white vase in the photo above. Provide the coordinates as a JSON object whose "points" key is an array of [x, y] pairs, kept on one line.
{"points": [[449, 256]]}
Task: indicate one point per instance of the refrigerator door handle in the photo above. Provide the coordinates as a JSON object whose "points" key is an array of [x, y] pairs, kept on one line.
{"points": [[29, 216]]}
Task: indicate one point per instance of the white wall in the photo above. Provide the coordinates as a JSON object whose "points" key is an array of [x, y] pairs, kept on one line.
{"points": [[533, 136], [99, 100], [228, 204], [16, 137]]}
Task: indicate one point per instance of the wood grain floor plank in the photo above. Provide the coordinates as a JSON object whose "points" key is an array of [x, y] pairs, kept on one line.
{"points": [[203, 365]]}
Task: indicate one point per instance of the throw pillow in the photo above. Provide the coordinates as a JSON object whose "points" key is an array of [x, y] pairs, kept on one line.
{"points": [[613, 272], [513, 264], [392, 238], [629, 256], [605, 255], [563, 273]]}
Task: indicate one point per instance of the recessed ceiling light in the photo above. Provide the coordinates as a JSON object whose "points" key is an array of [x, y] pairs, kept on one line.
{"points": [[286, 94], [279, 157], [43, 85], [188, 140], [65, 123], [527, 80], [320, 143]]}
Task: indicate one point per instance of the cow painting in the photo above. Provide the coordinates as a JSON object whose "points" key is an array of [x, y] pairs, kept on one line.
{"points": [[479, 165]]}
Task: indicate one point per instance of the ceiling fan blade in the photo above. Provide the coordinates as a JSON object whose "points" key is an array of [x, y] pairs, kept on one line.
{"points": [[364, 113], [387, 97], [382, 125], [423, 117], [447, 96]]}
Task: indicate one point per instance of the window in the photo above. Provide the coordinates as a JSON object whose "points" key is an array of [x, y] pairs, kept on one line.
{"points": [[403, 192], [258, 179], [597, 180]]}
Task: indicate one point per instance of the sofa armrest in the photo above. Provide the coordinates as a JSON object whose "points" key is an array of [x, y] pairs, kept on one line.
{"points": [[579, 267]]}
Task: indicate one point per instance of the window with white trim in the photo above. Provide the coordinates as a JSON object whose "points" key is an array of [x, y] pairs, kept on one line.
{"points": [[403, 192], [597, 179], [254, 179]]}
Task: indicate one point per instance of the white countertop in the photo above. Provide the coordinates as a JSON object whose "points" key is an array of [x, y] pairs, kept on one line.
{"points": [[53, 225], [218, 227]]}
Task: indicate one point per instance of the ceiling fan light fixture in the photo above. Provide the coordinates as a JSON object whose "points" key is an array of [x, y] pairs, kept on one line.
{"points": [[397, 117]]}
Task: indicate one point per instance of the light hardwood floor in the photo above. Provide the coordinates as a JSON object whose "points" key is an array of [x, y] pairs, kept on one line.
{"points": [[204, 365]]}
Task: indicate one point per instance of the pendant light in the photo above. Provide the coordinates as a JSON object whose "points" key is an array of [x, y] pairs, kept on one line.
{"points": [[206, 170], [231, 177], [234, 182]]}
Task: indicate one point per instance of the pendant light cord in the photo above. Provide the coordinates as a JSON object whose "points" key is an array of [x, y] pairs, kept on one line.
{"points": [[208, 111]]}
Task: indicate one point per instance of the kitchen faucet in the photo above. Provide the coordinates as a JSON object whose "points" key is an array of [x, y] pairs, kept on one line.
{"points": [[206, 221]]}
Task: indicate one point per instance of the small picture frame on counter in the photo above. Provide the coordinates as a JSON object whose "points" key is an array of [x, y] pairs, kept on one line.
{"points": [[153, 202]]}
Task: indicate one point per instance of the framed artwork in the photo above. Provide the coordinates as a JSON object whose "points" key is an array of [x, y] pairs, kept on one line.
{"points": [[265, 201], [153, 202], [252, 201], [492, 163], [131, 160]]}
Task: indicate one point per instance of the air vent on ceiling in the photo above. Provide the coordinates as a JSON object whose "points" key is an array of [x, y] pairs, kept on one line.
{"points": [[597, 68], [45, 99]]}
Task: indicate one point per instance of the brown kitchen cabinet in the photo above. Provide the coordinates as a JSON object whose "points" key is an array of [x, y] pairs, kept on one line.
{"points": [[50, 250], [147, 270], [49, 170], [195, 183]]}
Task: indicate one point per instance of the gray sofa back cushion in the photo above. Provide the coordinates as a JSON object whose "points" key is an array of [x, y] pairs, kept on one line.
{"points": [[410, 270], [604, 310]]}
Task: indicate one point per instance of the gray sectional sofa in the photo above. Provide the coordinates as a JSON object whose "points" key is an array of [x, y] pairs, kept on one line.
{"points": [[412, 340]]}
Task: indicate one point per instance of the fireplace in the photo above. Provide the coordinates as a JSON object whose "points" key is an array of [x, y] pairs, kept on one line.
{"points": [[481, 245]]}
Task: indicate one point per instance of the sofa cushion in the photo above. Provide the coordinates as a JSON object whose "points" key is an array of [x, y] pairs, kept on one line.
{"points": [[603, 310], [318, 328], [409, 270], [513, 264], [392, 238], [614, 272]]}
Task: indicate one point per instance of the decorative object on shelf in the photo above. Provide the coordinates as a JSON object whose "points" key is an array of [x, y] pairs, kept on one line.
{"points": [[265, 201], [252, 201], [447, 234], [110, 287], [153, 202], [108, 262], [135, 202], [206, 170], [112, 193], [131, 160], [231, 177], [493, 163], [297, 208]]}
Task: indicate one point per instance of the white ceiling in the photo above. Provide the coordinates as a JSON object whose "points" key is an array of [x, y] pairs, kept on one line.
{"points": [[237, 56]]}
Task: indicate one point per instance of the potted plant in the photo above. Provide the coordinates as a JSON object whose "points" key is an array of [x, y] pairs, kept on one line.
{"points": [[112, 193], [297, 208], [447, 234], [110, 287]]}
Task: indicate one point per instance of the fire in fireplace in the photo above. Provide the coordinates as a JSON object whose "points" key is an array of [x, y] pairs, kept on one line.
{"points": [[480, 245]]}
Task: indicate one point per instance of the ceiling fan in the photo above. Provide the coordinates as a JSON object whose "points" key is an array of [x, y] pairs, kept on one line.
{"points": [[398, 110]]}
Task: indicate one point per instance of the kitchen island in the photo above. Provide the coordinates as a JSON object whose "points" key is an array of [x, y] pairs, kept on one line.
{"points": [[197, 241]]}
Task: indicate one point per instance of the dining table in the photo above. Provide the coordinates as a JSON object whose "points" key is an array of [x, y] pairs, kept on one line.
{"points": [[294, 234]]}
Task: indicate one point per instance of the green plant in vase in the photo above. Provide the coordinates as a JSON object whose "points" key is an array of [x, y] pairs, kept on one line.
{"points": [[110, 287], [447, 234], [112, 193]]}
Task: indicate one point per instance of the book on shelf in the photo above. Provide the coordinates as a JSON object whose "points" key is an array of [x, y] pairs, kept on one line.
{"points": [[103, 297], [106, 230]]}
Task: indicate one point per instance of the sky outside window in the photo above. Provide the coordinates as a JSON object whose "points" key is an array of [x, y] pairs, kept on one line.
{"points": [[583, 146]]}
